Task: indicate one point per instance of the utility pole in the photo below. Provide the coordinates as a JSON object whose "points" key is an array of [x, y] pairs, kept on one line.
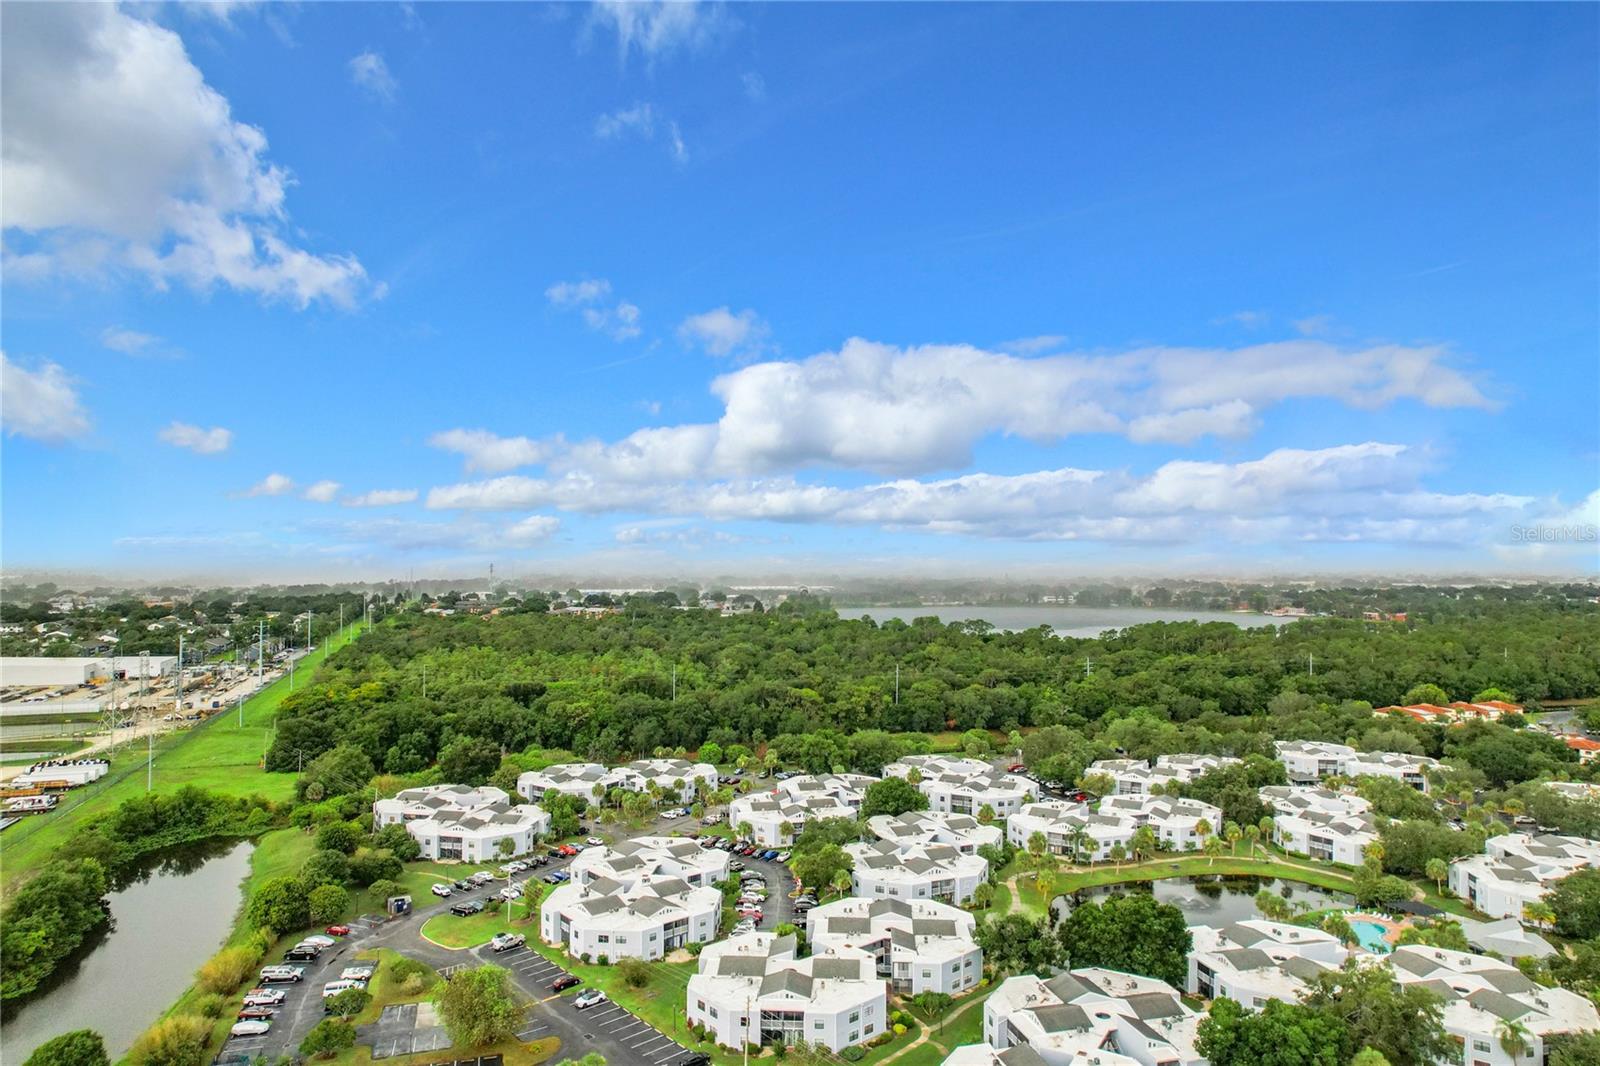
{"points": [[261, 649], [424, 680], [150, 759], [896, 703], [1311, 664], [180, 671], [1088, 666], [674, 682], [240, 700]]}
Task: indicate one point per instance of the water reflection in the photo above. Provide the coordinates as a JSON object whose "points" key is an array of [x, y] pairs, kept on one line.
{"points": [[1213, 900], [167, 917]]}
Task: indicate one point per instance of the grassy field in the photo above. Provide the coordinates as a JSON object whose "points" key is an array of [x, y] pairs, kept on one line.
{"points": [[454, 931], [217, 754]]}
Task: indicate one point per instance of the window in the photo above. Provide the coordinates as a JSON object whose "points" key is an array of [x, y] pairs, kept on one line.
{"points": [[602, 939], [868, 1029], [1480, 1045], [700, 1004], [816, 1025], [855, 1016], [854, 1037], [712, 1012]]}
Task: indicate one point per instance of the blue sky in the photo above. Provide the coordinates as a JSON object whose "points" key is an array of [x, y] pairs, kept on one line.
{"points": [[360, 289]]}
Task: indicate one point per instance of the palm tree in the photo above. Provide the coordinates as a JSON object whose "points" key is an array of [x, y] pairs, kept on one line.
{"points": [[1373, 854], [1252, 833], [1234, 834], [1118, 853], [842, 882], [1266, 826], [1037, 846], [1437, 870], [986, 814], [1203, 830], [1143, 842], [1513, 1036], [1538, 913], [1075, 840], [1213, 848], [746, 831]]}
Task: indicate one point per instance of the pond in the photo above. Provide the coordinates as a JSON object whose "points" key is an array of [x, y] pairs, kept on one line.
{"points": [[1215, 901], [165, 921]]}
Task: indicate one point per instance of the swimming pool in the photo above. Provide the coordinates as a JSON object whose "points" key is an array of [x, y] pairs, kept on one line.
{"points": [[1370, 935]]}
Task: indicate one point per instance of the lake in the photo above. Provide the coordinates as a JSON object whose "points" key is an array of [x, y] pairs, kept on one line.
{"points": [[1066, 621], [1215, 901], [165, 922]]}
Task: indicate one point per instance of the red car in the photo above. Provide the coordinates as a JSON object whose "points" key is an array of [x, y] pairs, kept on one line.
{"points": [[564, 982], [338, 930], [1015, 768], [568, 850], [256, 1013]]}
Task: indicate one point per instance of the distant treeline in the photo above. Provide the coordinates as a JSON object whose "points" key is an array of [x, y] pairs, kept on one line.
{"points": [[651, 677]]}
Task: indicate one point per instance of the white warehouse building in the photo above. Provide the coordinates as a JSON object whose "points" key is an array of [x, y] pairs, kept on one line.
{"points": [[919, 945], [638, 899], [751, 989], [461, 822]]}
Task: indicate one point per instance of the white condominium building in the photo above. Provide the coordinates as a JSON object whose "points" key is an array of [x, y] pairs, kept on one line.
{"points": [[915, 871], [638, 899], [1482, 994], [677, 779], [964, 786], [1517, 869], [1070, 829], [1341, 838], [1254, 961], [960, 831], [588, 781], [848, 789], [1133, 777], [1574, 790], [751, 989], [1176, 822], [1190, 767], [1308, 761], [1309, 799], [775, 819], [1091, 1015], [461, 822], [1407, 769], [920, 945]]}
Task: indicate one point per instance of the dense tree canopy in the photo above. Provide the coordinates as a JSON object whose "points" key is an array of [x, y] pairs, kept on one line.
{"points": [[1280, 1034], [1132, 933]]}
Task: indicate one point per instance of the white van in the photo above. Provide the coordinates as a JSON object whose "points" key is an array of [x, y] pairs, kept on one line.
{"points": [[333, 988]]}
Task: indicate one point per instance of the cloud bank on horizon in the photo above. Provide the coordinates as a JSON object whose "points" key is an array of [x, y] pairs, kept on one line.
{"points": [[511, 327]]}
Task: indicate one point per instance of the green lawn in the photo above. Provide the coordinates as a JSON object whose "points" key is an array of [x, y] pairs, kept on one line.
{"points": [[454, 931], [217, 754]]}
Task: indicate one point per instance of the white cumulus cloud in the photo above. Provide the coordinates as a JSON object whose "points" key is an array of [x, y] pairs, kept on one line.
{"points": [[272, 485], [487, 452], [41, 403], [119, 157], [369, 71], [382, 498], [319, 491], [126, 341], [722, 332], [657, 27], [211, 441]]}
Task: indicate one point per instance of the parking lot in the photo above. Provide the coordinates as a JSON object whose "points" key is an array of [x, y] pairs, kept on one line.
{"points": [[301, 1008], [615, 1033]]}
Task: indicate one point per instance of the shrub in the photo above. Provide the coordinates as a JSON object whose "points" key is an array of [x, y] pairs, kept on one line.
{"points": [[385, 888], [228, 968], [347, 1004], [210, 1004], [635, 973], [899, 1029], [176, 1041], [852, 1054], [402, 968], [413, 985], [328, 1039]]}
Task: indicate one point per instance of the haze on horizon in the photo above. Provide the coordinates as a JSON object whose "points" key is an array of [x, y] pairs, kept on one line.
{"points": [[347, 292]]}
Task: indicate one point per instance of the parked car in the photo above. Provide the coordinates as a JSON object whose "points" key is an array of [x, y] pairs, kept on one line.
{"points": [[338, 930], [273, 975], [507, 941], [263, 997], [483, 877], [467, 907], [736, 865], [302, 953], [770, 854], [319, 940], [594, 842], [440, 890], [591, 997], [333, 988], [783, 856], [541, 860], [568, 850], [250, 1027], [361, 972], [552, 879], [510, 892], [247, 1013], [693, 1058], [556, 853], [565, 981]]}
